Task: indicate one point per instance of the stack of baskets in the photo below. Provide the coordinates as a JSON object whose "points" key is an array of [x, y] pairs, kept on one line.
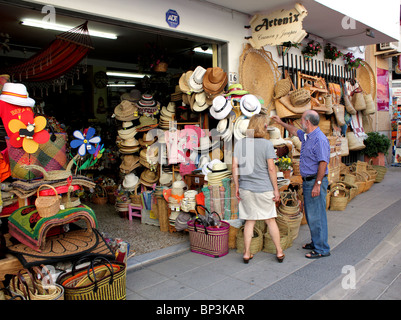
{"points": [[289, 213]]}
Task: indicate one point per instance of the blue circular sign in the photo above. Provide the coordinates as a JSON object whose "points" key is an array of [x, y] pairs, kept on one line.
{"points": [[172, 18]]}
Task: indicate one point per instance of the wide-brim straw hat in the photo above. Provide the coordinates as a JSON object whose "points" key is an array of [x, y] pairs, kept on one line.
{"points": [[126, 111], [147, 139], [196, 79], [16, 94], [129, 150], [129, 162], [214, 80], [148, 177], [165, 113], [205, 144], [131, 142], [183, 82], [240, 127], [275, 137], [166, 178], [130, 181], [250, 105], [146, 123], [198, 102], [134, 96], [220, 108]]}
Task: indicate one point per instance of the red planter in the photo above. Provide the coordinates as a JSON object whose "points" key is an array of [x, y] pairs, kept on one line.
{"points": [[380, 160]]}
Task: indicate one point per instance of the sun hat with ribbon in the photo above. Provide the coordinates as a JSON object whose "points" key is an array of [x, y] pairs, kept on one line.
{"points": [[220, 108], [208, 167], [250, 105], [206, 145], [236, 89], [147, 139], [214, 80], [16, 94], [196, 79]]}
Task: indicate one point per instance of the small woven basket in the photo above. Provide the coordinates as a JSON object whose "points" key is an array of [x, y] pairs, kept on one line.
{"points": [[256, 242], [47, 206], [300, 97], [339, 197], [100, 198]]}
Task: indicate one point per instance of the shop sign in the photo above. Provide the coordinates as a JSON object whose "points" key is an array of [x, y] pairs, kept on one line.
{"points": [[278, 27], [172, 18]]}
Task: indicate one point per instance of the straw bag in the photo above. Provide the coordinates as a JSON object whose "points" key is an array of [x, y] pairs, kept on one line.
{"points": [[256, 242], [354, 144], [348, 105], [206, 239], [136, 199], [100, 280], [47, 206], [282, 88], [344, 151], [285, 240], [370, 105], [34, 285], [339, 195], [358, 100], [299, 97], [339, 114]]}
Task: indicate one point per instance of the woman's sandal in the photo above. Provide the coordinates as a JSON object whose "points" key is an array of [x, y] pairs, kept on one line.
{"points": [[247, 260], [315, 255], [281, 258]]}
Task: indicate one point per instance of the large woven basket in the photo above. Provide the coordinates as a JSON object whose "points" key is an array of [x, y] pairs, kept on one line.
{"points": [[292, 221], [256, 242], [300, 97], [381, 172], [100, 197], [358, 101], [47, 206], [285, 241]]}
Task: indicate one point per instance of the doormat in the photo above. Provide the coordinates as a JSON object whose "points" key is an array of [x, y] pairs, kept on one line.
{"points": [[64, 247]]}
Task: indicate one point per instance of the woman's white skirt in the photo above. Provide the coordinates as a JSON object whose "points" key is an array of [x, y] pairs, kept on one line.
{"points": [[256, 206]]}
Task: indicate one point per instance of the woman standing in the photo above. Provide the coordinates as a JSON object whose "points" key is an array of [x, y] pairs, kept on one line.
{"points": [[255, 179]]}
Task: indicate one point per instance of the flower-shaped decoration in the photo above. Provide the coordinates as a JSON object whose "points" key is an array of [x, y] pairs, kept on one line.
{"points": [[28, 132], [84, 141], [311, 49], [284, 163]]}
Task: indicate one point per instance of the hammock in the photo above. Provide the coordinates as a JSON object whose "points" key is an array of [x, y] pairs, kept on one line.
{"points": [[61, 56]]}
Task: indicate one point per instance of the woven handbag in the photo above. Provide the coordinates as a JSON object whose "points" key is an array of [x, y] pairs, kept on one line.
{"points": [[100, 280], [256, 242], [207, 239], [50, 156], [47, 206]]}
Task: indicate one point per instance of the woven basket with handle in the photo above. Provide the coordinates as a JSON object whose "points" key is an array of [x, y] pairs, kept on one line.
{"points": [[47, 206]]}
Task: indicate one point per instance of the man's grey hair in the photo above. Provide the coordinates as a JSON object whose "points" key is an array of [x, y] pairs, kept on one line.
{"points": [[313, 117]]}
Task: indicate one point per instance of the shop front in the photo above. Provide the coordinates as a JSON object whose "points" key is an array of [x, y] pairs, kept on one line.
{"points": [[143, 164]]}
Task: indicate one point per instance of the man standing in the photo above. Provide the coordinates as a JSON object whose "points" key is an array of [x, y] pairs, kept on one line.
{"points": [[315, 156]]}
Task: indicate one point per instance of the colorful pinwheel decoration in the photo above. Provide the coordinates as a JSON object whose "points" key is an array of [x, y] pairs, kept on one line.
{"points": [[28, 132], [85, 141]]}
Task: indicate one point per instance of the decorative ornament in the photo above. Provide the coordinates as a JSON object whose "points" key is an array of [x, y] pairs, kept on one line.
{"points": [[84, 141], [28, 132]]}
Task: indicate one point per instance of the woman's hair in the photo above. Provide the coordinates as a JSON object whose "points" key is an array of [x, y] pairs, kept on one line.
{"points": [[258, 123]]}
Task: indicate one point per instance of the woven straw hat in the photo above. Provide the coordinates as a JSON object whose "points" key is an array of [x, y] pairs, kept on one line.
{"points": [[214, 80], [148, 177], [134, 96], [183, 82], [129, 163], [240, 126], [275, 137], [147, 139], [206, 145], [126, 111], [198, 102]]}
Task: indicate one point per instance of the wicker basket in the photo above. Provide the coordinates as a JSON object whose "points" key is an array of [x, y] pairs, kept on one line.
{"points": [[358, 101], [101, 197], [292, 221], [47, 206], [300, 97], [339, 196], [381, 172], [285, 241], [256, 242]]}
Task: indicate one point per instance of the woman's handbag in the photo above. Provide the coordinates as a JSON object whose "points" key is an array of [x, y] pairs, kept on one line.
{"points": [[50, 156], [208, 237], [100, 280]]}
